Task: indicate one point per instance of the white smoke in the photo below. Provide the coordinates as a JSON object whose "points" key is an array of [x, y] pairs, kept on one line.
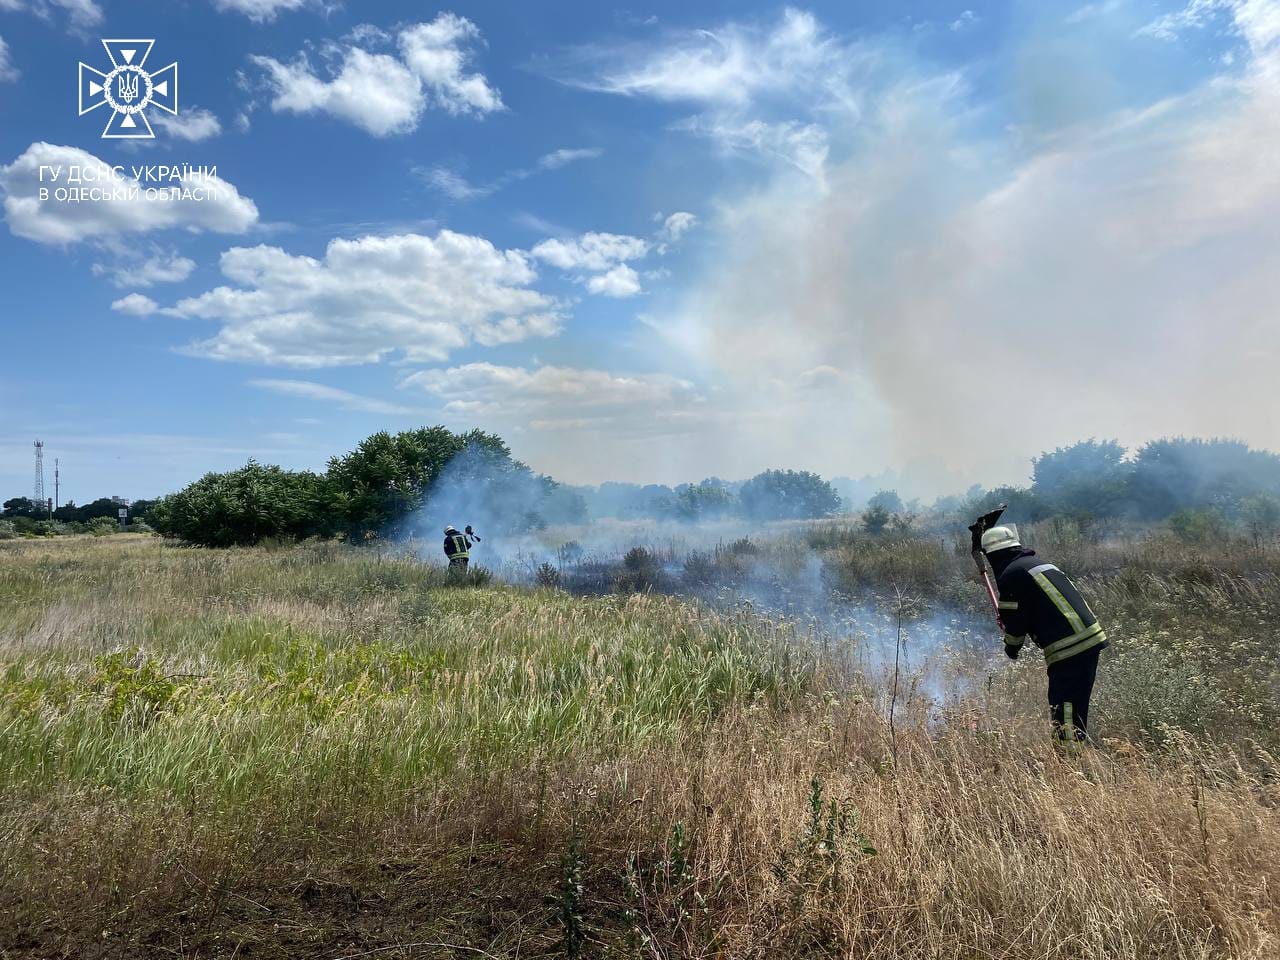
{"points": [[974, 293]]}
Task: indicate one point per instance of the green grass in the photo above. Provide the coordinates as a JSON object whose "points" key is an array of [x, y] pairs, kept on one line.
{"points": [[324, 751], [226, 676]]}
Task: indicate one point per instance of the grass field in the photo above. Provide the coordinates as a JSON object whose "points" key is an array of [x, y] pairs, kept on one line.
{"points": [[319, 751]]}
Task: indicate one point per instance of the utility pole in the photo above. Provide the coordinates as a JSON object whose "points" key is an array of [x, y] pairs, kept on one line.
{"points": [[57, 502], [39, 497]]}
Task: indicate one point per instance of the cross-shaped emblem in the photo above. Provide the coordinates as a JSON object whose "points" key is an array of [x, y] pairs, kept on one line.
{"points": [[128, 89]]}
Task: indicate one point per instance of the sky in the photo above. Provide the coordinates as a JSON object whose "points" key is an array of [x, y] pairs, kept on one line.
{"points": [[650, 242]]}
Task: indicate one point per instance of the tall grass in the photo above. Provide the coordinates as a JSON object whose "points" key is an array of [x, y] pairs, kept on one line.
{"points": [[324, 751]]}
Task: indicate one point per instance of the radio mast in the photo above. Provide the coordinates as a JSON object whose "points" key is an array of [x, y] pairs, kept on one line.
{"points": [[39, 493]]}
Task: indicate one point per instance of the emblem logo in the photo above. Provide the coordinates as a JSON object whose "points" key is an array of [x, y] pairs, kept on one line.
{"points": [[128, 89]]}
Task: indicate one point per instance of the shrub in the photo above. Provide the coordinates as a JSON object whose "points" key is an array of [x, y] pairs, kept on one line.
{"points": [[640, 572], [7, 530], [103, 526], [245, 506], [548, 576], [875, 520], [1195, 526]]}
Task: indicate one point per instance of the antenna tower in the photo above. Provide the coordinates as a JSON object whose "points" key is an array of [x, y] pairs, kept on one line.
{"points": [[39, 494]]}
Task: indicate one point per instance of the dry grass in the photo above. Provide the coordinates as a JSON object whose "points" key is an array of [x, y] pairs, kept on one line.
{"points": [[319, 752]]}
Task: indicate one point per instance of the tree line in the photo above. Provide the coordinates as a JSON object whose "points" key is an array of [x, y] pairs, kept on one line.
{"points": [[413, 482], [386, 485], [1195, 486]]}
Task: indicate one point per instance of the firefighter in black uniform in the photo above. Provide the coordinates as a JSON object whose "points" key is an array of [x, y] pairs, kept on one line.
{"points": [[457, 547], [1037, 600]]}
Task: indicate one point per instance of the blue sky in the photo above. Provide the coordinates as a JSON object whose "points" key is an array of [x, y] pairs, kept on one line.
{"points": [[651, 242]]}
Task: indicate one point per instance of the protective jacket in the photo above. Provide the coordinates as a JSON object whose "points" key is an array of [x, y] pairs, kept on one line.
{"points": [[457, 546], [1038, 600]]}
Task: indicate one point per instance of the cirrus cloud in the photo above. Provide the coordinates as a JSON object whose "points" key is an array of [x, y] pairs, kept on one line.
{"points": [[7, 70]]}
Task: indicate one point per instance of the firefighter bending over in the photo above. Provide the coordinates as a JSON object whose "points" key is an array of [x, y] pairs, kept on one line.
{"points": [[457, 547], [1037, 600]]}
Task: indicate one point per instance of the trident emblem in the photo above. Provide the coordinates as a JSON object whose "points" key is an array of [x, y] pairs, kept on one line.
{"points": [[127, 86], [128, 89]]}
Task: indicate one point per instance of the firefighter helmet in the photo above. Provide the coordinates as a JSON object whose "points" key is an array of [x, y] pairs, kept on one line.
{"points": [[1000, 538]]}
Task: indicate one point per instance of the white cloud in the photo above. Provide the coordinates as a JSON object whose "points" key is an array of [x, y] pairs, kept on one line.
{"points": [[802, 145], [193, 124], [966, 19], [559, 158], [677, 225], [551, 394], [384, 94], [375, 92], [1256, 21], [260, 11], [55, 222], [1196, 14], [766, 90], [729, 65], [318, 391], [591, 251], [452, 184], [620, 282], [160, 267], [601, 254], [437, 53], [83, 13], [7, 70], [455, 186], [136, 305], [367, 299]]}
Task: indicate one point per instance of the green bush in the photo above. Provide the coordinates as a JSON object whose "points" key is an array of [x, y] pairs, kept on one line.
{"points": [[1196, 526], [245, 506], [103, 526], [875, 520]]}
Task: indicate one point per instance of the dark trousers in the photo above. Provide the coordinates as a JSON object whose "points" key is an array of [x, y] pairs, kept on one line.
{"points": [[1070, 686], [458, 563]]}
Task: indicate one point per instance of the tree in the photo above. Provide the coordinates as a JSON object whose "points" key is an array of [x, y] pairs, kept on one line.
{"points": [[1089, 478], [1260, 515], [1022, 505], [245, 506], [102, 507], [387, 476], [787, 495], [560, 504], [24, 507], [887, 499], [704, 501], [1177, 473], [139, 509]]}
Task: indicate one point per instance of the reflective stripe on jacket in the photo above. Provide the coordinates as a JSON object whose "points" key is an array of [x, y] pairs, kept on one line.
{"points": [[456, 547], [1040, 601]]}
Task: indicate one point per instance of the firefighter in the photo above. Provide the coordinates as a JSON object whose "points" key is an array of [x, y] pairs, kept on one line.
{"points": [[457, 547], [1037, 600]]}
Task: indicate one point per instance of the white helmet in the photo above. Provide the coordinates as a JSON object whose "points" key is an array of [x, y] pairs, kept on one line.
{"points": [[450, 529], [1000, 538]]}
